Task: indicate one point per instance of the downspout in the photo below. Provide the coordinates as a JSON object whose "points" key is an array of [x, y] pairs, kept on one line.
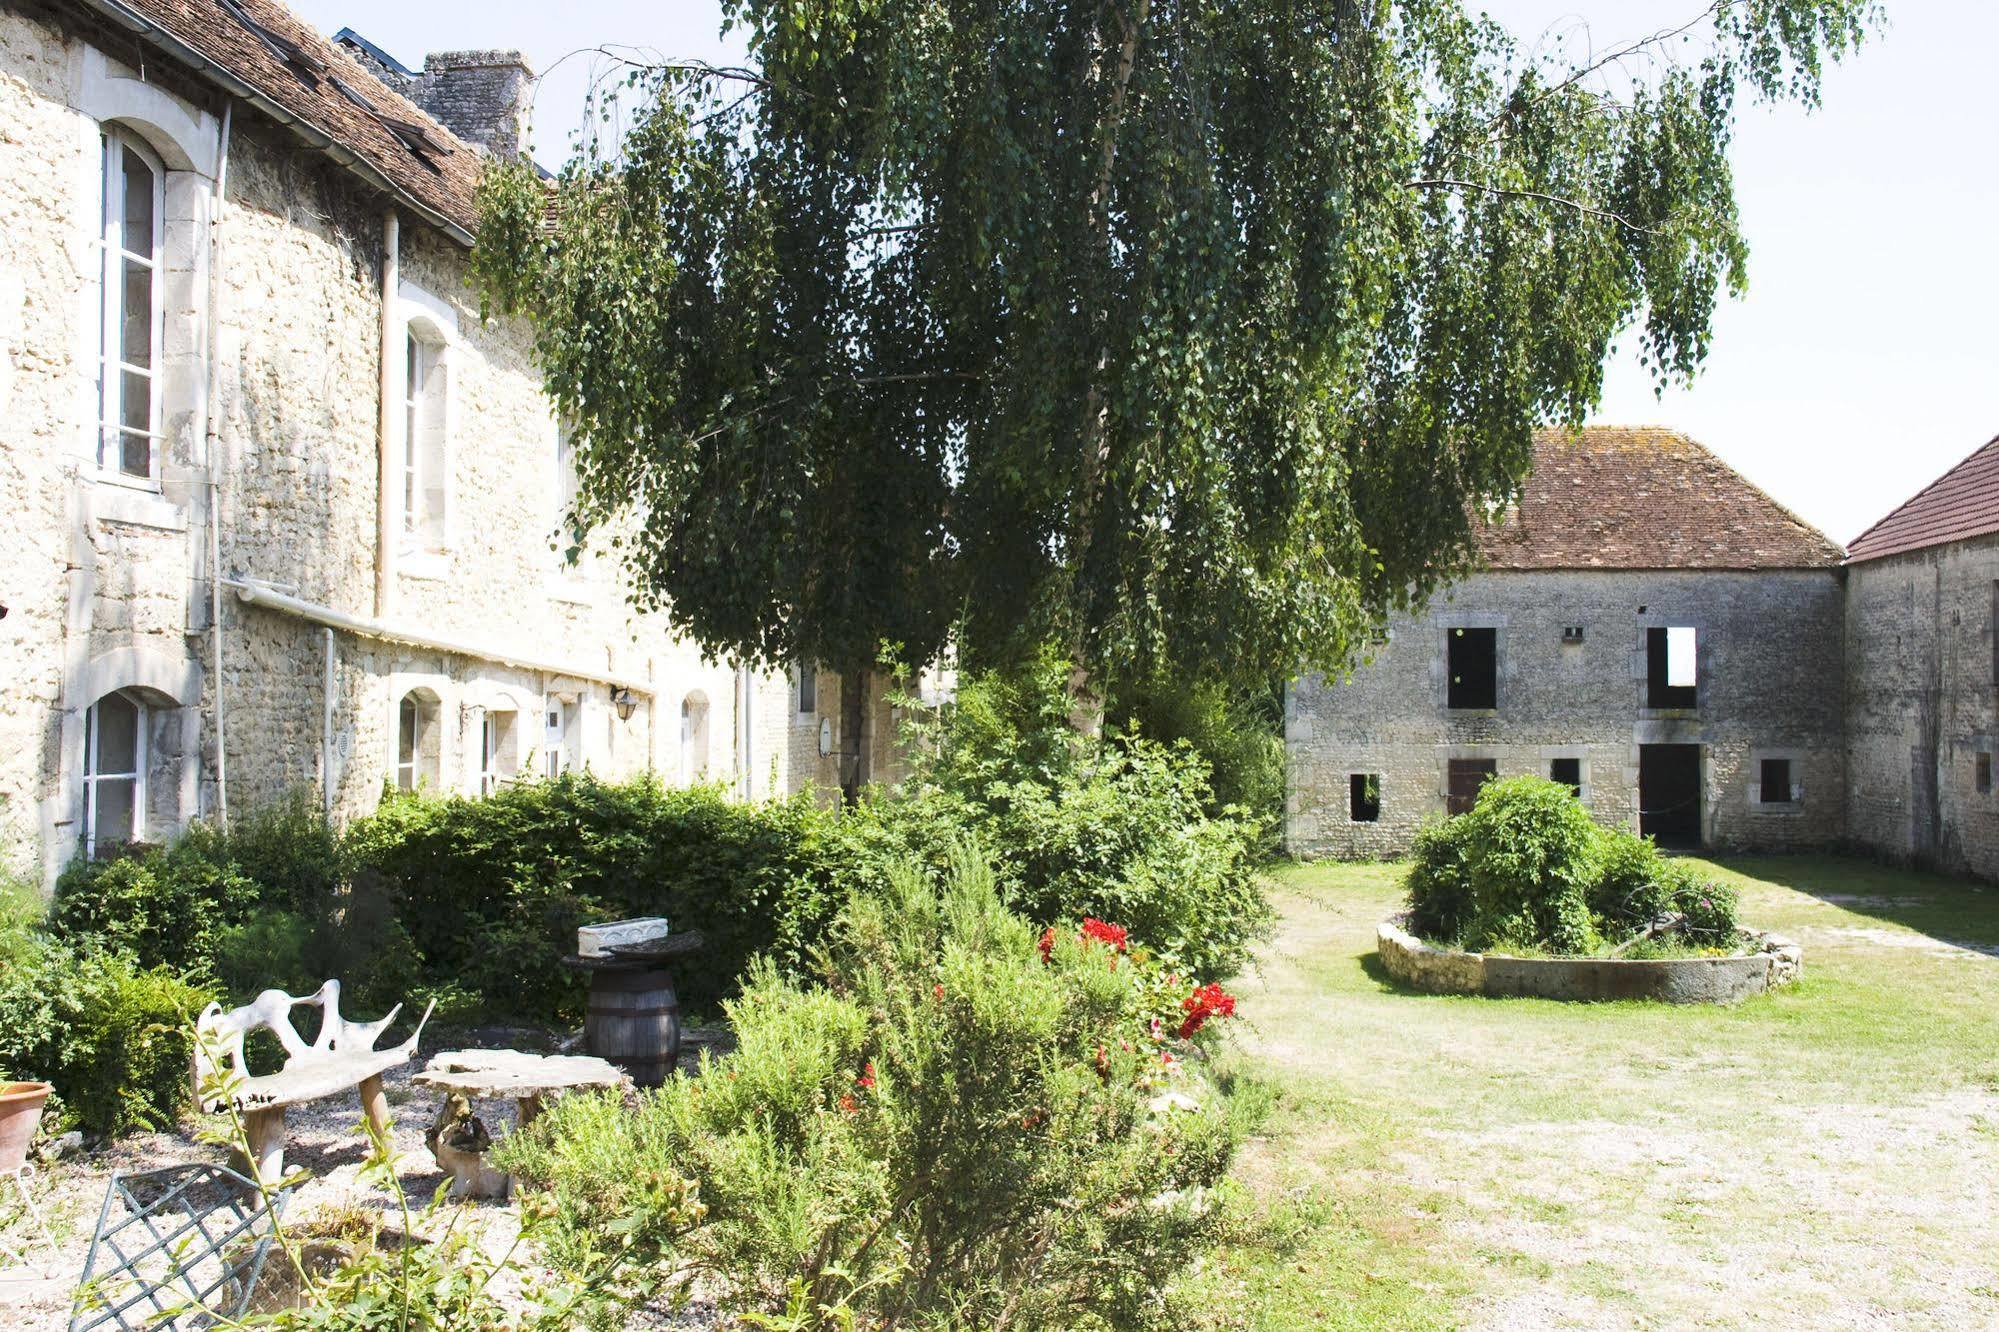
{"points": [[387, 491], [212, 454], [326, 734]]}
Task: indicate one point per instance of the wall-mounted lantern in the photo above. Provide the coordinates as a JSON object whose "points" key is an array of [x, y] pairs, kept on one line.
{"points": [[625, 702]]}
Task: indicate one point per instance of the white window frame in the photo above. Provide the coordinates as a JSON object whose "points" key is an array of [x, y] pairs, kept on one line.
{"points": [[112, 255], [94, 777], [409, 770], [491, 775], [557, 718]]}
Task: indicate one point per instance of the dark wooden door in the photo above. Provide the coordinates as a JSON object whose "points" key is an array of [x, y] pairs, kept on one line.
{"points": [[1465, 777]]}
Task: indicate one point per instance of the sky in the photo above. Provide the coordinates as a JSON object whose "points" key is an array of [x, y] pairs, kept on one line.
{"points": [[1863, 360]]}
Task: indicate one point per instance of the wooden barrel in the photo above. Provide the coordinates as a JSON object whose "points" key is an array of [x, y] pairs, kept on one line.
{"points": [[634, 1021]]}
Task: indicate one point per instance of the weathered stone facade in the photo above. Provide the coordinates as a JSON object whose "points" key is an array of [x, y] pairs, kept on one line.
{"points": [[1921, 720], [1632, 554], [334, 609], [1769, 672]]}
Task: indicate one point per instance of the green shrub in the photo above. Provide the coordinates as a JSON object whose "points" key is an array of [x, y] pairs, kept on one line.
{"points": [[1529, 850], [491, 891], [1238, 733], [1526, 869], [166, 906], [1118, 828], [111, 1037], [952, 1132], [1440, 899]]}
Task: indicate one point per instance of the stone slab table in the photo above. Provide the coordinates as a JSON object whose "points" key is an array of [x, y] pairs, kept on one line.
{"points": [[505, 1074]]}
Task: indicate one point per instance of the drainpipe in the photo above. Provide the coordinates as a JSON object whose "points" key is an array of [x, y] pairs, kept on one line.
{"points": [[326, 734], [388, 494], [212, 455]]}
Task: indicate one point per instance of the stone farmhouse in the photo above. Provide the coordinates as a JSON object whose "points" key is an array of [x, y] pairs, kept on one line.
{"points": [[1697, 662], [1648, 627], [286, 507], [1922, 675]]}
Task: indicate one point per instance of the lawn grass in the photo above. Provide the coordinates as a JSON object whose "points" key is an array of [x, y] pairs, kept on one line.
{"points": [[1824, 1155]]}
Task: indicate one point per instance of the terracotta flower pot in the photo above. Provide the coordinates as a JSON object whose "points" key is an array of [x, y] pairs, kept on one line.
{"points": [[20, 1113]]}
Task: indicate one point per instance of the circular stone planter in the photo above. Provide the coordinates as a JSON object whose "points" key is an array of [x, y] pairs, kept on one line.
{"points": [[1773, 961]]}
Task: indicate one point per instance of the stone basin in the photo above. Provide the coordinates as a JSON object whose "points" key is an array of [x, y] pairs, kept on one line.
{"points": [[1768, 962]]}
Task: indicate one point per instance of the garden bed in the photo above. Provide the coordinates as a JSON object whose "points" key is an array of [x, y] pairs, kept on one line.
{"points": [[1768, 962]]}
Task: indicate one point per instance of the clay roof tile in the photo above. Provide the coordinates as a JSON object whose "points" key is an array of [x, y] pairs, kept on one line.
{"points": [[1645, 497]]}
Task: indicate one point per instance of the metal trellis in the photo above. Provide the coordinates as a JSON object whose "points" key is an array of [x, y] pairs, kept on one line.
{"points": [[174, 1249]]}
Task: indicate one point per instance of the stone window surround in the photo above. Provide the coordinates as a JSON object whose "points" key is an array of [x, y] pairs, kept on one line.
{"points": [[441, 696], [1641, 664], [484, 699], [1580, 753], [433, 321], [109, 97], [1496, 754], [1440, 664], [169, 686], [1796, 758]]}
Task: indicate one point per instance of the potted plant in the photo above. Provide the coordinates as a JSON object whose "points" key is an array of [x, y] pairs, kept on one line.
{"points": [[20, 1114]]}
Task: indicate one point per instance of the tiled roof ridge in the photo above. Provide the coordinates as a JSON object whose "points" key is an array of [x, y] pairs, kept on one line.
{"points": [[1624, 496], [1862, 546], [211, 36]]}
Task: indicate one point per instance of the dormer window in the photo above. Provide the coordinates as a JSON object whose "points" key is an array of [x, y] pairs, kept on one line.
{"points": [[129, 324]]}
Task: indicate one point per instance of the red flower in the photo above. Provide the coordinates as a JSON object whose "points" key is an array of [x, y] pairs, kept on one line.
{"points": [[1210, 1000], [937, 992], [1114, 935], [867, 1079], [1048, 943], [849, 1104]]}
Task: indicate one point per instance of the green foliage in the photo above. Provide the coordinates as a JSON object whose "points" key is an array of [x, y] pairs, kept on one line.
{"points": [[1440, 896], [1183, 333], [1238, 732], [1529, 849], [490, 891], [111, 1037], [953, 1131], [1526, 870], [1118, 828]]}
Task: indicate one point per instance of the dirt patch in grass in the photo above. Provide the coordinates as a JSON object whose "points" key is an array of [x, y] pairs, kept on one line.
{"points": [[1826, 1156]]}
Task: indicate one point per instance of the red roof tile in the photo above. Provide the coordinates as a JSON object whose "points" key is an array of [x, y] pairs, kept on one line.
{"points": [[437, 174], [1645, 497], [1963, 502]]}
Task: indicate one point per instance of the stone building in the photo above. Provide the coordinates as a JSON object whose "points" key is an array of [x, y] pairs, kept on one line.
{"points": [[1922, 675], [1649, 627], [285, 506]]}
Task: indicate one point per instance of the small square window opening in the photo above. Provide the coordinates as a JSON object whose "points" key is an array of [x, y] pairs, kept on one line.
{"points": [[1364, 797]]}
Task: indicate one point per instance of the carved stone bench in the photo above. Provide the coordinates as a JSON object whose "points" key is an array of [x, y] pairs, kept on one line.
{"points": [[342, 1056]]}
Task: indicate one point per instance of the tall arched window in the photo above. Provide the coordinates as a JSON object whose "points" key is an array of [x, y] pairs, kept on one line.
{"points": [[694, 737], [114, 773], [426, 460], [418, 738], [129, 326]]}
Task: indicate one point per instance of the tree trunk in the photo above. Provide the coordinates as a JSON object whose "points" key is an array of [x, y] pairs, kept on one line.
{"points": [[853, 735], [1086, 703]]}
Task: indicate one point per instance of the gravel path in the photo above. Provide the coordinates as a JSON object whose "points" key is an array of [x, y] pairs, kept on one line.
{"points": [[324, 1138]]}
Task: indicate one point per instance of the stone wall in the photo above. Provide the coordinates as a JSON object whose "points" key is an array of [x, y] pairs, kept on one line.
{"points": [[1770, 683], [108, 585], [1920, 706]]}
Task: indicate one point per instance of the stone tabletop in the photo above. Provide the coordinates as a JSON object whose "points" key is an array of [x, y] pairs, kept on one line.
{"points": [[515, 1073]]}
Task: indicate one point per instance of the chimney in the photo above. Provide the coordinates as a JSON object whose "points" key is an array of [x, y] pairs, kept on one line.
{"points": [[483, 97]]}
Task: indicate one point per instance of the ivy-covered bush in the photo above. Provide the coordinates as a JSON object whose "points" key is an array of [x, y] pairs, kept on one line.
{"points": [[1527, 870], [111, 1036], [968, 1123]]}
